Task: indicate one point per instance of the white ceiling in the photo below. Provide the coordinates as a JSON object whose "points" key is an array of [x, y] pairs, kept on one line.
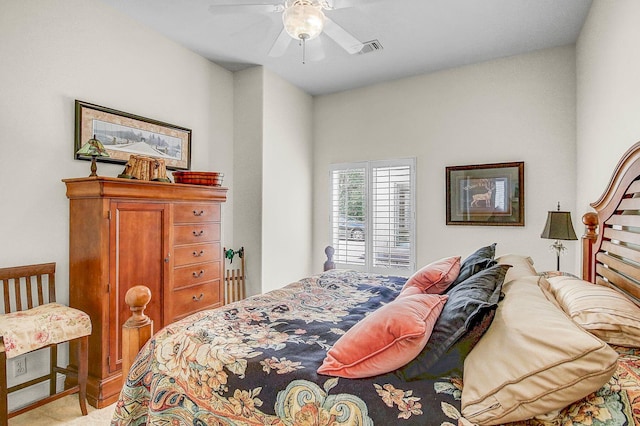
{"points": [[418, 36]]}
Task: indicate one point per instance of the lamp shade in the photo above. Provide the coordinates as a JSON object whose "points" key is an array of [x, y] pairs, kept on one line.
{"points": [[93, 148], [559, 226], [303, 20]]}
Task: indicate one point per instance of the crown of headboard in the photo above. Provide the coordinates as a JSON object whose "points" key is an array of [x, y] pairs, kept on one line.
{"points": [[611, 243]]}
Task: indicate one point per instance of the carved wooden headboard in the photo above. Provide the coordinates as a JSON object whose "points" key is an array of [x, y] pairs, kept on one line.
{"points": [[611, 243]]}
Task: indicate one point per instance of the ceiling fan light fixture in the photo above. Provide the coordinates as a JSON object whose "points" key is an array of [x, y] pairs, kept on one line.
{"points": [[303, 20]]}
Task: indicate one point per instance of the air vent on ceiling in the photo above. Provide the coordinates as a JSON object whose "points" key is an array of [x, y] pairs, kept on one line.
{"points": [[370, 46]]}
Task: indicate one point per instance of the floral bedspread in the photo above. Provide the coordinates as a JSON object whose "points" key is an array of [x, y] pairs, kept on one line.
{"points": [[254, 362]]}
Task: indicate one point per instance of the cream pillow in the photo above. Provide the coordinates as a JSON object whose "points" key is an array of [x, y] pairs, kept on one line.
{"points": [[532, 360], [598, 309], [521, 266]]}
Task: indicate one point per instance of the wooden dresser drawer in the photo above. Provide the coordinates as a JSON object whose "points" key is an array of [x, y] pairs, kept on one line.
{"points": [[192, 299], [186, 276], [196, 212], [196, 253], [194, 233]]}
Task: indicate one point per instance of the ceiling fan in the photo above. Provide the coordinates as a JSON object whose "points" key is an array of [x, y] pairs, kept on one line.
{"points": [[302, 20]]}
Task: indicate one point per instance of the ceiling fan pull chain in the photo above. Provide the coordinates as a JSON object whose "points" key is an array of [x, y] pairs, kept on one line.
{"points": [[304, 45]]}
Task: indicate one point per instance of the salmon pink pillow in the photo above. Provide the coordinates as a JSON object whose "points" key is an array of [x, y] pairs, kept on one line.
{"points": [[409, 291], [436, 277], [385, 340]]}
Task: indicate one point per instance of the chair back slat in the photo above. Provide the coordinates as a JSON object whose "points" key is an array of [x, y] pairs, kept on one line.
{"points": [[5, 291], [23, 279], [41, 296], [17, 293], [29, 292], [52, 287]]}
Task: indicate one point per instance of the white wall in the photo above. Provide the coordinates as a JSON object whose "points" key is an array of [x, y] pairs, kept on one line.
{"points": [[520, 108], [56, 51], [608, 94], [287, 184], [273, 163], [247, 161]]}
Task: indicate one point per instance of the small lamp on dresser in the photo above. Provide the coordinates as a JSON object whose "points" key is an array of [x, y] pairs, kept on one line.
{"points": [[558, 227], [93, 148]]}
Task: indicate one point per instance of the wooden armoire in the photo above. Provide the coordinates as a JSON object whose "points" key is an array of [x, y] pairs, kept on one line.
{"points": [[126, 232]]}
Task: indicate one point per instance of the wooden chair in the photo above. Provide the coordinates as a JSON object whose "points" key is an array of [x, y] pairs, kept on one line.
{"points": [[31, 321]]}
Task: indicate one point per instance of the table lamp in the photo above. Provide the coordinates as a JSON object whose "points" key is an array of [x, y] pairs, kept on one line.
{"points": [[93, 148], [558, 227]]}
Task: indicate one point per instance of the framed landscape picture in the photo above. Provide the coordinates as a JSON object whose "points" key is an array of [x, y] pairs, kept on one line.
{"points": [[486, 194], [123, 134]]}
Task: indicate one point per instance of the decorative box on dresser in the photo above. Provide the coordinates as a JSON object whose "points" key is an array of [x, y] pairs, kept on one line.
{"points": [[126, 232]]}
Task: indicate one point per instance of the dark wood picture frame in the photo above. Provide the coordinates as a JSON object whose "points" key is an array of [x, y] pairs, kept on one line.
{"points": [[486, 194], [124, 134]]}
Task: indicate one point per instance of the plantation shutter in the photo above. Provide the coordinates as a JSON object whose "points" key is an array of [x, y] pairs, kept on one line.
{"points": [[349, 215], [372, 215], [392, 207]]}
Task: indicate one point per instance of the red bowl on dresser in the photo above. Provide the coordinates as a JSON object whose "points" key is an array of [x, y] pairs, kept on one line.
{"points": [[199, 178]]}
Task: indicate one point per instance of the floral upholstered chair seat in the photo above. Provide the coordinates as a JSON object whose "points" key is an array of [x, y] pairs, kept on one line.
{"points": [[44, 325]]}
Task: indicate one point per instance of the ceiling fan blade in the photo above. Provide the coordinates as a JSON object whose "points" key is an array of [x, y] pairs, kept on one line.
{"points": [[343, 4], [225, 9], [281, 44], [341, 36]]}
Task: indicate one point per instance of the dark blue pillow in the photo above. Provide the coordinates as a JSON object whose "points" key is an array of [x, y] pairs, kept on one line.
{"points": [[477, 261], [464, 318], [451, 363]]}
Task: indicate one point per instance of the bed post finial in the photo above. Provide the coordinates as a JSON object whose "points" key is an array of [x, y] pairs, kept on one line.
{"points": [[329, 264], [138, 328], [589, 238]]}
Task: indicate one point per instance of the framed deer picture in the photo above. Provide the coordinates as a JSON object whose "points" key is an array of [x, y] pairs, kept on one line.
{"points": [[486, 194]]}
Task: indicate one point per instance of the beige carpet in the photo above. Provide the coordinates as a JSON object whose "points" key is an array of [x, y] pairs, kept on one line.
{"points": [[65, 411]]}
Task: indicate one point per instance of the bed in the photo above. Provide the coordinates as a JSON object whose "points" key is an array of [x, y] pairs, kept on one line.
{"points": [[351, 348]]}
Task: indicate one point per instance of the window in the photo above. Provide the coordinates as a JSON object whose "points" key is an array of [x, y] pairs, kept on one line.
{"points": [[372, 215]]}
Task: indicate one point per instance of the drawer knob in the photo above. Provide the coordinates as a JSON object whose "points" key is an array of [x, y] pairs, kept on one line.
{"points": [[198, 234], [198, 213], [199, 298], [196, 254], [199, 274]]}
